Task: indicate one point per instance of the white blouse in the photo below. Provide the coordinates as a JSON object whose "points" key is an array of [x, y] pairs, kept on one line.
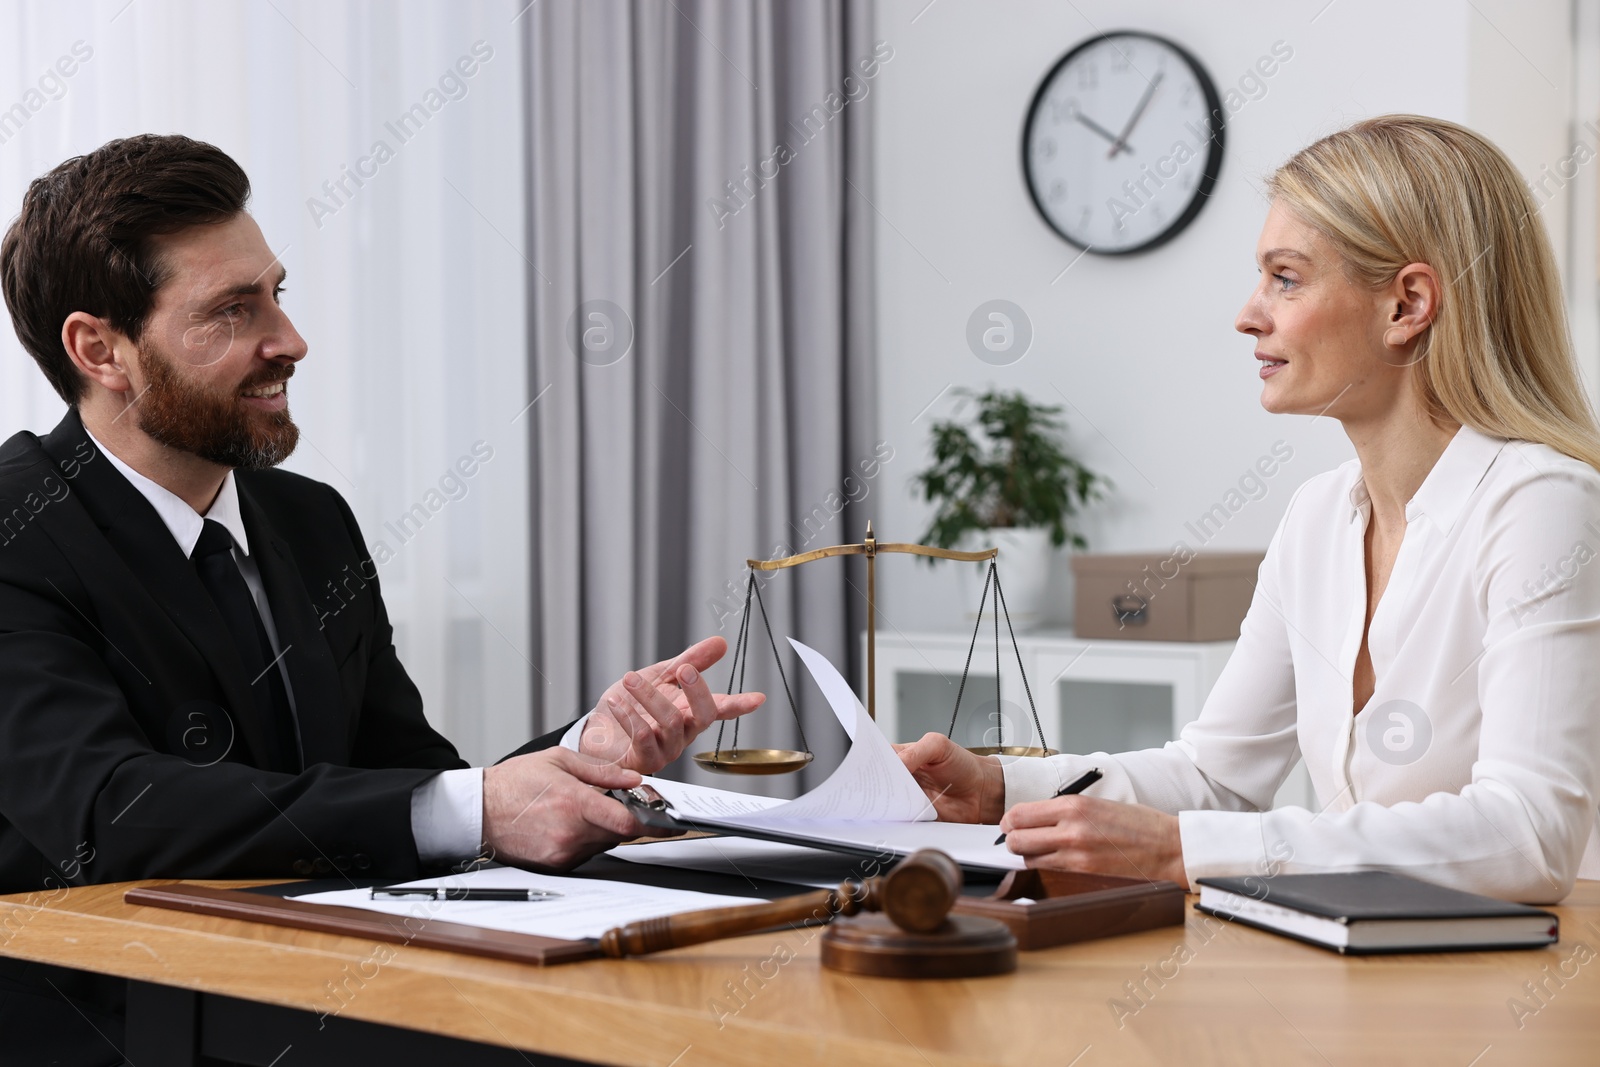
{"points": [[1476, 764]]}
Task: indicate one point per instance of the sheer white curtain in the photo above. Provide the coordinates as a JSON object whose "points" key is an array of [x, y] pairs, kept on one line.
{"points": [[385, 147]]}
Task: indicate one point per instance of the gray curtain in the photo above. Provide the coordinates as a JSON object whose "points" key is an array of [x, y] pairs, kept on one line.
{"points": [[701, 369]]}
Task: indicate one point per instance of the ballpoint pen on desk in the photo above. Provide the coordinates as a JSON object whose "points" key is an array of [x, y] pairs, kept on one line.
{"points": [[441, 892], [1089, 778]]}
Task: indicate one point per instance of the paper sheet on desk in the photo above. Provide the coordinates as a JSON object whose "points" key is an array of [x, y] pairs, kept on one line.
{"points": [[869, 785], [588, 907]]}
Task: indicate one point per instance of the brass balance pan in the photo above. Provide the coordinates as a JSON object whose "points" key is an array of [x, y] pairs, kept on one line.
{"points": [[753, 760], [1010, 750]]}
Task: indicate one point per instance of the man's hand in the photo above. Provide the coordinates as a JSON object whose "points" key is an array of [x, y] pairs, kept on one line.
{"points": [[646, 719], [962, 787], [543, 810], [1081, 833]]}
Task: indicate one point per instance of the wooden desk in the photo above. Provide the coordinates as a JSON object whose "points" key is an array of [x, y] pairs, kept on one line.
{"points": [[1207, 993]]}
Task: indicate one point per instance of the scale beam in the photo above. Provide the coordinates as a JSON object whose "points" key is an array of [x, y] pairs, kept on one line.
{"points": [[861, 550]]}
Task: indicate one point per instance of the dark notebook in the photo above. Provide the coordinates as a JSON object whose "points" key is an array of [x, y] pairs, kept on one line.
{"points": [[1363, 912]]}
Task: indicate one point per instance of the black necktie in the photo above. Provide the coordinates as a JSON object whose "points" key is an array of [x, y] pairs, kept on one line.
{"points": [[213, 559]]}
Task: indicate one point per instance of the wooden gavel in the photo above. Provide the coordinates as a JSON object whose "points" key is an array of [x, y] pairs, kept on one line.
{"points": [[916, 896]]}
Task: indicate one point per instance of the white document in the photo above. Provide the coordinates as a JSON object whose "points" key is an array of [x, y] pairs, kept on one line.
{"points": [[588, 907], [869, 785], [969, 844], [869, 804]]}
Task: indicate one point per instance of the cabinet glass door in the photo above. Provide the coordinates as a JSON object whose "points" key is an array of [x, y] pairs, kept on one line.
{"points": [[1099, 716], [924, 701]]}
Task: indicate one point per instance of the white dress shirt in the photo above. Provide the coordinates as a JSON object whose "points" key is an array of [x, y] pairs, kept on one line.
{"points": [[446, 810], [1475, 764]]}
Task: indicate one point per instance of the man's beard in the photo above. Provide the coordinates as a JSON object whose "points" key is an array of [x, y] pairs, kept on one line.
{"points": [[219, 427]]}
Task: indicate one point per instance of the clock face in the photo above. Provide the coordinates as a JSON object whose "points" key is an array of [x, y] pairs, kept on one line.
{"points": [[1123, 143]]}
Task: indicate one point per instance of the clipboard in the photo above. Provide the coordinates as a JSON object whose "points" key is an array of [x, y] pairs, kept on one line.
{"points": [[276, 905], [655, 811], [367, 925]]}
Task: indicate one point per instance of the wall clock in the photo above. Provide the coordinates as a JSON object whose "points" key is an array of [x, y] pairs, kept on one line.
{"points": [[1123, 142]]}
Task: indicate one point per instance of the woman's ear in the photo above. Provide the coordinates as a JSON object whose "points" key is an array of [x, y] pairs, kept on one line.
{"points": [[91, 344], [1413, 300]]}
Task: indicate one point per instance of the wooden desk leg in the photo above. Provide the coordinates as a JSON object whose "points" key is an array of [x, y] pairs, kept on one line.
{"points": [[163, 1028]]}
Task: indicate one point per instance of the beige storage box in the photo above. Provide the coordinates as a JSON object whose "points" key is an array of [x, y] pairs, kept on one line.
{"points": [[1173, 596]]}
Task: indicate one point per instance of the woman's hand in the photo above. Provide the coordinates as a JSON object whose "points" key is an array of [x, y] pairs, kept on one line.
{"points": [[1081, 833], [648, 717], [962, 787]]}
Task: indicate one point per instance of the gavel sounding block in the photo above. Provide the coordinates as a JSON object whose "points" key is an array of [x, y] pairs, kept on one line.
{"points": [[907, 930], [964, 946], [1073, 906]]}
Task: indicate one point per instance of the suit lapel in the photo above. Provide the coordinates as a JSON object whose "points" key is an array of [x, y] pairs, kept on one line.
{"points": [[151, 553], [315, 677]]}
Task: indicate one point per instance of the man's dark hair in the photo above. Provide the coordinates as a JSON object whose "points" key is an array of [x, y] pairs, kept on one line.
{"points": [[83, 239]]}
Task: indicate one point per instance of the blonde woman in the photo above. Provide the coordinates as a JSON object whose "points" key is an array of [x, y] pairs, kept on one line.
{"points": [[1425, 630]]}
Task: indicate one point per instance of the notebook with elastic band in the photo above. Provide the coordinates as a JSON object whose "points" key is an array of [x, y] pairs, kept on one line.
{"points": [[1366, 912]]}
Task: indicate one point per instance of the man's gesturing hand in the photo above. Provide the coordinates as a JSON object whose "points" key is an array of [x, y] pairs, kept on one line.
{"points": [[647, 718], [542, 810], [962, 787], [1081, 833]]}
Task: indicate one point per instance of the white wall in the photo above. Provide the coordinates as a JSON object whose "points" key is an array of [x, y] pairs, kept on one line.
{"points": [[1163, 392]]}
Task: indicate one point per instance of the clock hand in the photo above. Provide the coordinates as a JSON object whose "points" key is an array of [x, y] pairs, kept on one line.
{"points": [[1096, 127], [1144, 102]]}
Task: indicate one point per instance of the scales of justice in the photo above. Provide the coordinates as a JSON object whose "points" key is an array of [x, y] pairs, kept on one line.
{"points": [[736, 760]]}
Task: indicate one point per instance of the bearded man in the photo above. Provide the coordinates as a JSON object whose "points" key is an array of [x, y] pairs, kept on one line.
{"points": [[171, 703]]}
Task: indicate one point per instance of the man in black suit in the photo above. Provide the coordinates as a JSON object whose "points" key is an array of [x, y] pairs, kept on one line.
{"points": [[173, 702]]}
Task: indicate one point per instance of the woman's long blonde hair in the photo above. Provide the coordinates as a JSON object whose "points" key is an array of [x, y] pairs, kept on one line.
{"points": [[1404, 189]]}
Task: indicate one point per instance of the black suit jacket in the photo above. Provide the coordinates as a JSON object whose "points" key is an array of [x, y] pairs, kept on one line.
{"points": [[127, 730], [128, 736]]}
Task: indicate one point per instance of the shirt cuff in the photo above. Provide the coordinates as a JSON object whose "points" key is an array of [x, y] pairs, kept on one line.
{"points": [[447, 816], [571, 737], [1222, 844], [1029, 778]]}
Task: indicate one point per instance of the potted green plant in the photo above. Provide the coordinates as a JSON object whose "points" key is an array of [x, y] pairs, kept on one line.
{"points": [[1006, 479]]}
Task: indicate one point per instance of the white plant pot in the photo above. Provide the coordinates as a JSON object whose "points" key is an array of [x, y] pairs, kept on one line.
{"points": [[1024, 565]]}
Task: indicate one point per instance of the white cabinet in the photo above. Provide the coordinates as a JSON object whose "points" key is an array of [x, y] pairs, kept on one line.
{"points": [[1091, 695]]}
